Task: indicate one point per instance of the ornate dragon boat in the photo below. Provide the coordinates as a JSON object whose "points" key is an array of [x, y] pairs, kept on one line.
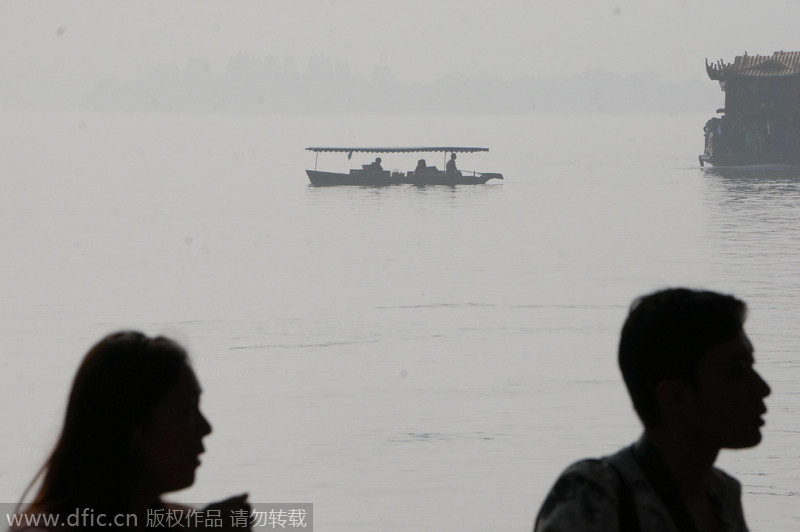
{"points": [[760, 123]]}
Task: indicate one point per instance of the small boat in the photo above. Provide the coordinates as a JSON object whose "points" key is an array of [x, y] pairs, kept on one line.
{"points": [[760, 123], [374, 175]]}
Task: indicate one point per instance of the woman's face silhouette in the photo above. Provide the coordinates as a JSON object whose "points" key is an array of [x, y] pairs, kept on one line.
{"points": [[170, 442]]}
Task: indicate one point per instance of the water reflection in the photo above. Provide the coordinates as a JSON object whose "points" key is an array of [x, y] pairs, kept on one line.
{"points": [[767, 173], [763, 192], [753, 229]]}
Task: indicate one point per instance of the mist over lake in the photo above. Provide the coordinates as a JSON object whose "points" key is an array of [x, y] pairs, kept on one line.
{"points": [[404, 358]]}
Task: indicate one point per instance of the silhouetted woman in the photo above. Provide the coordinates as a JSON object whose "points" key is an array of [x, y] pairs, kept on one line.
{"points": [[132, 432]]}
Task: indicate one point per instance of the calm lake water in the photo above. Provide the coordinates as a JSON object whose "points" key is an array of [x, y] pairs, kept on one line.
{"points": [[403, 358]]}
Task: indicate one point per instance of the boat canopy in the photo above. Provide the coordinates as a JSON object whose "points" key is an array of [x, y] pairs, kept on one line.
{"points": [[454, 149]]}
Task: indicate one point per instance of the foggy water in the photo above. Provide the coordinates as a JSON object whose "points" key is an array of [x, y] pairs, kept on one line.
{"points": [[404, 358]]}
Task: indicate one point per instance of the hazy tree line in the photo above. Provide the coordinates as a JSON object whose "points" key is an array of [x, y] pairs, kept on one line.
{"points": [[250, 84]]}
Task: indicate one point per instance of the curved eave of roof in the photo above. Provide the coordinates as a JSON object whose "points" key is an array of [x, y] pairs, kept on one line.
{"points": [[771, 70], [455, 149], [779, 64], [753, 75]]}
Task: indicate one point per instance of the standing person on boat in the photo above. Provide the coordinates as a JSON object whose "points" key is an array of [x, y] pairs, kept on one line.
{"points": [[376, 165], [133, 431], [450, 168], [688, 367]]}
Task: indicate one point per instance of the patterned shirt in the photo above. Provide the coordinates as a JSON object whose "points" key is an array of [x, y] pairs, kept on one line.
{"points": [[589, 496]]}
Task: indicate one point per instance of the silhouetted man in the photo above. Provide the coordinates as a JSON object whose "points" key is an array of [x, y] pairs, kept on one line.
{"points": [[688, 367], [450, 167]]}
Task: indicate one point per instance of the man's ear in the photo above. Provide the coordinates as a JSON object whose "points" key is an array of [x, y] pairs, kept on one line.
{"points": [[674, 397]]}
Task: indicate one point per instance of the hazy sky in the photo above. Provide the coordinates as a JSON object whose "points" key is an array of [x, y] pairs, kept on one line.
{"points": [[415, 39]]}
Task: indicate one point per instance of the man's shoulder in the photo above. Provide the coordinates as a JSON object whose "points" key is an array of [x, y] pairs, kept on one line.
{"points": [[584, 497], [595, 493], [597, 470], [589, 493], [604, 474]]}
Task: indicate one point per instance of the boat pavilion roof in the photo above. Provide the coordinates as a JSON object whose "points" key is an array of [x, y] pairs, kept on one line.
{"points": [[779, 64]]}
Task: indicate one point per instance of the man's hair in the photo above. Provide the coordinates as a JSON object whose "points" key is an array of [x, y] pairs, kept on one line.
{"points": [[665, 336]]}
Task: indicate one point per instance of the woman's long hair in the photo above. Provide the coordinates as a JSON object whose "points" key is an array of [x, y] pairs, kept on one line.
{"points": [[118, 385]]}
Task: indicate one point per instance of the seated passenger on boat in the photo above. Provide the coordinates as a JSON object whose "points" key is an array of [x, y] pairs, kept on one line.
{"points": [[376, 165], [451, 165], [421, 167]]}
